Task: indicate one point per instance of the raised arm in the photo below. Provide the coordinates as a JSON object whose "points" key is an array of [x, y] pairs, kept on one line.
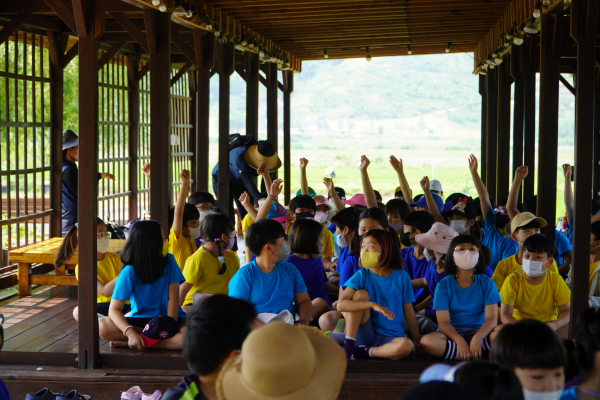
{"points": [[264, 172], [399, 168], [484, 196], [245, 200], [339, 204], [511, 203], [303, 180], [263, 211], [184, 176], [366, 183], [250, 185], [431, 206], [569, 200]]}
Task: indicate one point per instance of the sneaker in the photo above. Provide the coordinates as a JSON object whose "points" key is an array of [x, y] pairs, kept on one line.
{"points": [[44, 394], [154, 396], [134, 393], [74, 395]]}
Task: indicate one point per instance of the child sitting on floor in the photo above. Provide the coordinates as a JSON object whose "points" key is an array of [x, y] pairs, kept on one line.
{"points": [[466, 304], [396, 211], [209, 270], [305, 239], [377, 300], [270, 285], [150, 281], [185, 224], [534, 292], [109, 266]]}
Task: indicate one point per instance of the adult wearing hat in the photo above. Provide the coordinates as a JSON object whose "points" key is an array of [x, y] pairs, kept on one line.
{"points": [[70, 180], [244, 161]]}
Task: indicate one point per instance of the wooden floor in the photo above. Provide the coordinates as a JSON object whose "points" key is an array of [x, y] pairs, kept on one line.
{"points": [[44, 322]]}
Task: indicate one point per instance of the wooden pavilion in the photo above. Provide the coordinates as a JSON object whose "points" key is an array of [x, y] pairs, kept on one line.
{"points": [[144, 76]]}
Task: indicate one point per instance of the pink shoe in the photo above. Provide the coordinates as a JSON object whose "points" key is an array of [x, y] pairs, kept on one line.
{"points": [[134, 393], [154, 396]]}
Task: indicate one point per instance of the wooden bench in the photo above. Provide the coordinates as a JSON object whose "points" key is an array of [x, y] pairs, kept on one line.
{"points": [[45, 253]]}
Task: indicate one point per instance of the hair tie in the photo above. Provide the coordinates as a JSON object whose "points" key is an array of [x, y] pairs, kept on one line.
{"points": [[216, 239]]}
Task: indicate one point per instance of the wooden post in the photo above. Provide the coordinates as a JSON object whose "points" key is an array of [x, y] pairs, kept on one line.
{"points": [[272, 125], [492, 131], [503, 131], [160, 109], [550, 43], [225, 60], [483, 156], [134, 131], [88, 192], [529, 67], [288, 88], [518, 112], [251, 65], [56, 117], [584, 17], [195, 158], [207, 49]]}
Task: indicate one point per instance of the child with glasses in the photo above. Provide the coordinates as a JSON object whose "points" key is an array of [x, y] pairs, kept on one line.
{"points": [[108, 266], [466, 305]]}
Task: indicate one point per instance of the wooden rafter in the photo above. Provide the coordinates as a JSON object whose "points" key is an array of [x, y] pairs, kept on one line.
{"points": [[150, 31], [12, 26], [109, 54], [131, 29], [73, 51], [79, 12], [64, 13], [185, 48], [181, 72]]}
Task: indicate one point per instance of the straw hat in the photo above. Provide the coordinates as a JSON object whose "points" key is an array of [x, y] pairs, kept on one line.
{"points": [[523, 219], [265, 152], [281, 361]]}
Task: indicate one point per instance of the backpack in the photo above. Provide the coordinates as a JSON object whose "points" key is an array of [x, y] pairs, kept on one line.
{"points": [[594, 301], [238, 140]]}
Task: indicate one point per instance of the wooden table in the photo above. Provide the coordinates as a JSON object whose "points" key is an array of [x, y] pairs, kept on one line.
{"points": [[45, 253]]}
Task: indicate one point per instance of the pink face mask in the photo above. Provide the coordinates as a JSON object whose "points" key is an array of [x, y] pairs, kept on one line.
{"points": [[229, 246], [466, 259], [320, 217]]}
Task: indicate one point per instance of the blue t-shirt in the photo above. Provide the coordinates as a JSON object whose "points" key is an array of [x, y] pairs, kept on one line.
{"points": [[500, 246], [433, 278], [270, 293], [466, 306], [416, 269], [347, 264], [391, 292], [314, 276], [4, 395], [563, 245], [569, 394], [148, 300], [332, 228]]}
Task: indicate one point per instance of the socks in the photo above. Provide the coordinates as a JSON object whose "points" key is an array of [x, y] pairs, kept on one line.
{"points": [[362, 352], [349, 346], [338, 337], [450, 353]]}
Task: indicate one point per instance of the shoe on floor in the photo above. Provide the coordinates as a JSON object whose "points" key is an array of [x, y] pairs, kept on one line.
{"points": [[154, 396], [74, 395], [134, 393], [44, 394]]}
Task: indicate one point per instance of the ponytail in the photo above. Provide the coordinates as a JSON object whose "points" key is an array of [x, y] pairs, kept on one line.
{"points": [[67, 248], [221, 257]]}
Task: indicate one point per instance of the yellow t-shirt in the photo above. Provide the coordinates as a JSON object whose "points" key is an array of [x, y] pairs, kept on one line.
{"points": [[181, 248], [535, 302], [246, 222], [202, 271], [108, 269], [509, 266], [328, 243], [289, 226], [592, 271]]}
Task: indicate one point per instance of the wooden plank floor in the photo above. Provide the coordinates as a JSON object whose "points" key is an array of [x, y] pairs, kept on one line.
{"points": [[44, 322]]}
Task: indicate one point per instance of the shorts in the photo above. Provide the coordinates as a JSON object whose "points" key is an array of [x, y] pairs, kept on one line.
{"points": [[102, 308], [367, 336], [141, 322], [467, 333]]}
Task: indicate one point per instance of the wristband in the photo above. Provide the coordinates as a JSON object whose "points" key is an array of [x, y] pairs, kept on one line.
{"points": [[273, 197], [126, 329]]}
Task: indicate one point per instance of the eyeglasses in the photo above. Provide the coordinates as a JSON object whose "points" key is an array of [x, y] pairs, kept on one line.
{"points": [[461, 250], [103, 234], [206, 208]]}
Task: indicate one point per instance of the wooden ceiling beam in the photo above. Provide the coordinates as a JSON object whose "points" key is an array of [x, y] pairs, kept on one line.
{"points": [[375, 43], [38, 22], [283, 3], [64, 12], [131, 29], [41, 7], [12, 26]]}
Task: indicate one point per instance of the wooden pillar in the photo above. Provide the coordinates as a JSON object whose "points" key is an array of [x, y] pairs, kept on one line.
{"points": [[206, 48], [195, 158], [529, 67], [584, 17], [225, 67], [492, 131], [596, 160], [88, 190], [483, 156], [518, 112], [56, 118], [252, 66], [503, 131], [134, 131], [288, 88], [550, 43], [272, 125], [160, 109]]}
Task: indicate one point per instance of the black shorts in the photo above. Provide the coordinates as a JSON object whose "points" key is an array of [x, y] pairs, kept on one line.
{"points": [[141, 322], [102, 309]]}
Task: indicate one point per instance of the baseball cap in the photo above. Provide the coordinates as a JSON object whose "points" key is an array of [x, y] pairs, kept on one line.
{"points": [[523, 219], [158, 328], [357, 200], [453, 199], [340, 192], [311, 192], [464, 209], [398, 191], [435, 185], [278, 213], [70, 139], [423, 202], [320, 200]]}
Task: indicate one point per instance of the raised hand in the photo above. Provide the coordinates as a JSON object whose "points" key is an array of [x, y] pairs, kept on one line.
{"points": [[567, 171], [276, 187], [425, 183], [364, 163], [303, 163], [184, 176], [329, 184], [521, 172], [262, 169], [146, 170], [245, 199], [396, 164], [473, 164]]}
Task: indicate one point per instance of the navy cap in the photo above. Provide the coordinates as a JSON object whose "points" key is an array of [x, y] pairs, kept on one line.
{"points": [[463, 208], [158, 328]]}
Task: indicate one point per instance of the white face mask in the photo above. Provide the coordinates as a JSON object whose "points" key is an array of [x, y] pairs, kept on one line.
{"points": [[330, 214], [530, 395], [533, 268], [428, 256], [340, 240], [320, 217], [459, 226], [194, 232], [203, 214], [102, 244]]}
